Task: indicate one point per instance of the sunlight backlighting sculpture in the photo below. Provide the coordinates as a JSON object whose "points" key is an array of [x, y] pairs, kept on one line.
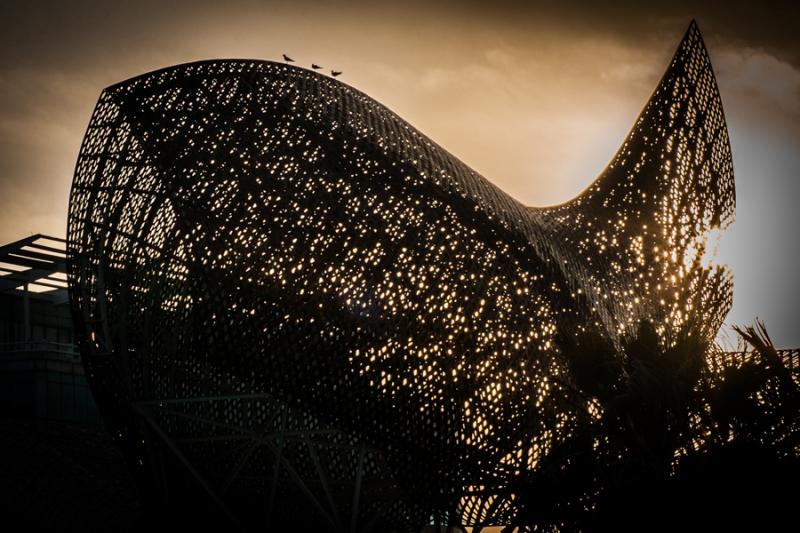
{"points": [[290, 299]]}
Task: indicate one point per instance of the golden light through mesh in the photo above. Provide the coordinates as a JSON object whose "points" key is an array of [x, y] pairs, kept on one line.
{"points": [[254, 245]]}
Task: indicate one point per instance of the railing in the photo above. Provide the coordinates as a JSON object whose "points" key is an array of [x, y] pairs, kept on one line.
{"points": [[38, 346]]}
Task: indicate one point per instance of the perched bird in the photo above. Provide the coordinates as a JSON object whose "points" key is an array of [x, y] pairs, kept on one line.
{"points": [[315, 66], [335, 73], [288, 59]]}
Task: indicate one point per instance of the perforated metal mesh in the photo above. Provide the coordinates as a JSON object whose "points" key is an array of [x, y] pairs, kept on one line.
{"points": [[258, 252]]}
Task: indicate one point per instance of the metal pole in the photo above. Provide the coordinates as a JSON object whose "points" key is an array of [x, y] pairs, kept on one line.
{"points": [[26, 313]]}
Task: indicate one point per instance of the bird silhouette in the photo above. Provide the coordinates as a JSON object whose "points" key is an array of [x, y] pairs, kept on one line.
{"points": [[288, 59], [315, 66], [335, 73]]}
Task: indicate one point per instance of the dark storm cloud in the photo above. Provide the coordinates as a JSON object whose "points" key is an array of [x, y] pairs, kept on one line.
{"points": [[770, 26], [68, 34]]}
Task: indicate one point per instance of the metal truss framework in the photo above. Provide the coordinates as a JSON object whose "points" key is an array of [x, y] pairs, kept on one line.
{"points": [[35, 263], [33, 268], [282, 447], [306, 302]]}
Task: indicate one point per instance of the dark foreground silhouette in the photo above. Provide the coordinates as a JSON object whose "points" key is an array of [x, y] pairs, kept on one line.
{"points": [[685, 439]]}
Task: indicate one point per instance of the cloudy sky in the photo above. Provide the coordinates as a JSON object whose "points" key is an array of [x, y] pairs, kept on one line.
{"points": [[536, 96]]}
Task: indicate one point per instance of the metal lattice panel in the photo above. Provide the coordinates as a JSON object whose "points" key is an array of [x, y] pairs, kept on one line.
{"points": [[253, 245]]}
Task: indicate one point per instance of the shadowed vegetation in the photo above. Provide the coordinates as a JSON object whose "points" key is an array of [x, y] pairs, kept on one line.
{"points": [[684, 437]]}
